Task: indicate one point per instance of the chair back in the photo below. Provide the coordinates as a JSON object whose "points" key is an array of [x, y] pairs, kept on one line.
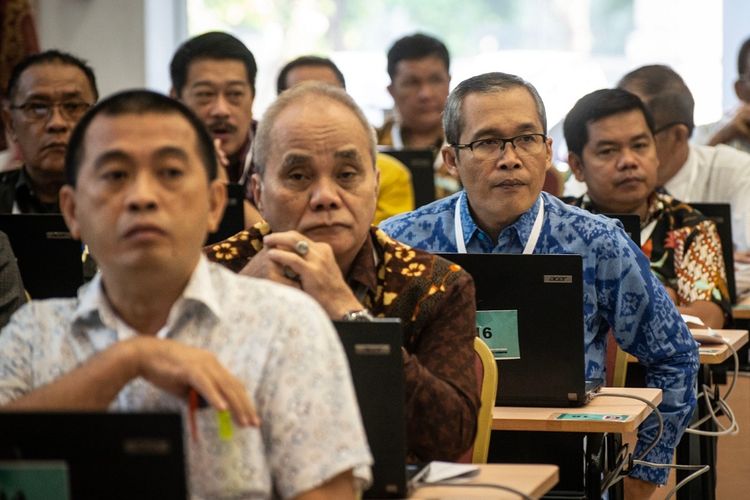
{"points": [[486, 371]]}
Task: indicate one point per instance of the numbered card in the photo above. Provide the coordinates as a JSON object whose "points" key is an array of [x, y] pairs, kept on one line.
{"points": [[499, 330]]}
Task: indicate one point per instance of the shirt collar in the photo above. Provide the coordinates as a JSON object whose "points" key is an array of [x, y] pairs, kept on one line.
{"points": [[200, 290], [521, 227]]}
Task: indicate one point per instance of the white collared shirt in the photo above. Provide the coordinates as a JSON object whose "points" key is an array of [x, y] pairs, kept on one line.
{"points": [[275, 339], [718, 174]]}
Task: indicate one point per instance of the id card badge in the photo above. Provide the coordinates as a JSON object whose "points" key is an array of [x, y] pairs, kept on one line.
{"points": [[499, 330]]}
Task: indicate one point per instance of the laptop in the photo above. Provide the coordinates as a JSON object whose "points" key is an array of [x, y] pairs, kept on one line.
{"points": [[632, 225], [48, 257], [546, 291], [721, 214], [106, 455], [420, 164], [233, 220], [374, 353]]}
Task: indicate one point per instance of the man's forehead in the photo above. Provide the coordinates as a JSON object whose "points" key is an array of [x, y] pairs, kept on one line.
{"points": [[113, 131], [53, 76], [625, 124], [516, 106], [211, 70]]}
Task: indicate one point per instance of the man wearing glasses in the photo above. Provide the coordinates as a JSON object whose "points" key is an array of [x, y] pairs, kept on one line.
{"points": [[496, 126], [690, 173], [47, 94]]}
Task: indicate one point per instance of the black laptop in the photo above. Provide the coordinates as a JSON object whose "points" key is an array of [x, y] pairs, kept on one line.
{"points": [[546, 291], [632, 225], [106, 455], [377, 367], [48, 257], [420, 164], [233, 220]]}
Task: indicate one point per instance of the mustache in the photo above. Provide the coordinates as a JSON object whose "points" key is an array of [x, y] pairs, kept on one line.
{"points": [[221, 125], [629, 178]]}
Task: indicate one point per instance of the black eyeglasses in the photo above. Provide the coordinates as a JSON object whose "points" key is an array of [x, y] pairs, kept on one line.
{"points": [[484, 149], [42, 110], [666, 126]]}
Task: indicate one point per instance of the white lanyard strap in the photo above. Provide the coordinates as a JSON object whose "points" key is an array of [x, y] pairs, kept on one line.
{"points": [[396, 139], [536, 229], [647, 231]]}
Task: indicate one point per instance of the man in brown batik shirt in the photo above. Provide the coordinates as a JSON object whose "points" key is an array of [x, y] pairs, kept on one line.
{"points": [[316, 186]]}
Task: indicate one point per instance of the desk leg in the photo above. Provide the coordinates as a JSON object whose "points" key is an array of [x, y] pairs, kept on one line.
{"points": [[699, 450], [595, 457]]}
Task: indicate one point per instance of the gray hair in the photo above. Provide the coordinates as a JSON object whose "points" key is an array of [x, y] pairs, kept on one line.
{"points": [[487, 83], [304, 91]]}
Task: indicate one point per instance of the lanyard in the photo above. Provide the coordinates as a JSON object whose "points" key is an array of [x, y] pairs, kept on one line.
{"points": [[647, 231], [536, 229]]}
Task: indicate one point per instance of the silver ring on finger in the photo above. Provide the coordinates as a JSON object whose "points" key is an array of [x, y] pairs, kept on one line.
{"points": [[301, 247]]}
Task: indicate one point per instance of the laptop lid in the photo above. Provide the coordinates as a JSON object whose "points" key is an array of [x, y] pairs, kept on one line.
{"points": [[233, 220], [546, 292], [49, 259], [108, 455], [420, 164], [377, 367], [632, 225]]}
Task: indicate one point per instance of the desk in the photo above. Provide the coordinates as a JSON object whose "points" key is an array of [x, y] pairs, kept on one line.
{"points": [[511, 418], [695, 449], [508, 418], [715, 354], [533, 480]]}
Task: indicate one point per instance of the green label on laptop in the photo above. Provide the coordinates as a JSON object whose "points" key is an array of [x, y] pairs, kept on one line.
{"points": [[499, 330], [591, 417], [34, 480]]}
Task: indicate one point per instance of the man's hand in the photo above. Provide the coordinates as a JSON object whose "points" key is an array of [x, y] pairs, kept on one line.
{"points": [[738, 128], [177, 368], [316, 271], [222, 160]]}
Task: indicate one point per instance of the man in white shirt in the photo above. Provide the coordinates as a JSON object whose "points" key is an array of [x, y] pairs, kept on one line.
{"points": [[159, 321], [690, 173]]}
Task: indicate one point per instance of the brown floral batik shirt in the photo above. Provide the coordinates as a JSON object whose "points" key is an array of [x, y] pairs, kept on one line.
{"points": [[434, 299]]}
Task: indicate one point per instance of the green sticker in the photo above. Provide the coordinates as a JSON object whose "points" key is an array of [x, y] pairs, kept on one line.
{"points": [[224, 421], [34, 480], [499, 330], [591, 416]]}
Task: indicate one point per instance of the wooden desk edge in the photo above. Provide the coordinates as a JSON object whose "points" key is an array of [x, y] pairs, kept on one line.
{"points": [[554, 425], [552, 480]]}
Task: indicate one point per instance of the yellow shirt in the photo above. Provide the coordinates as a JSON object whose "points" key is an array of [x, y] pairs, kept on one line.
{"points": [[396, 194]]}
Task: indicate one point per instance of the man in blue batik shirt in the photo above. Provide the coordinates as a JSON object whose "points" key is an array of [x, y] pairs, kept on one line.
{"points": [[495, 126]]}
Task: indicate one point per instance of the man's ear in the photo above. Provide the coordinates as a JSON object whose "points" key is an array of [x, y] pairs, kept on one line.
{"points": [[173, 93], [217, 202], [450, 160], [742, 89], [680, 133], [68, 210], [576, 165], [7, 121], [390, 90], [256, 187]]}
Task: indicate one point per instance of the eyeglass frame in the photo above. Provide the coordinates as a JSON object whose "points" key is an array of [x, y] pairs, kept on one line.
{"points": [[665, 127], [26, 109], [503, 142]]}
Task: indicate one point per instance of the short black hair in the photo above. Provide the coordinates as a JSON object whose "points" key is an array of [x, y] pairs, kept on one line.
{"points": [[742, 57], [306, 61], [417, 46], [137, 101], [211, 45], [595, 106], [664, 93], [50, 57]]}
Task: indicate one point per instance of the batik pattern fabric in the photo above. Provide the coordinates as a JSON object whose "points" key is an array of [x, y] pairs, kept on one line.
{"points": [[684, 249], [434, 299], [620, 292], [273, 338]]}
